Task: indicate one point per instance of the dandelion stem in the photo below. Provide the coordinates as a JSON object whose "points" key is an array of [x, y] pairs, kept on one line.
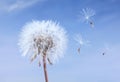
{"points": [[45, 70]]}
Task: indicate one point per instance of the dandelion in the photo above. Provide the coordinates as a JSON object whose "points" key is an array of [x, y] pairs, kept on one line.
{"points": [[80, 41], [86, 15], [44, 39]]}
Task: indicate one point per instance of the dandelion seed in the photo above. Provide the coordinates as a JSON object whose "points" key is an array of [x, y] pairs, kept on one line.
{"points": [[103, 53], [45, 39], [49, 61], [79, 50], [34, 57], [105, 49], [39, 63], [79, 39], [86, 15]]}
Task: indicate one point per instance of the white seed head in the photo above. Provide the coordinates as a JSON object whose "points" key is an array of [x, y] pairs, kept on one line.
{"points": [[39, 37]]}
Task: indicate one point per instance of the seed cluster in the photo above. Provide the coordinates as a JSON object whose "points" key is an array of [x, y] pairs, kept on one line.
{"points": [[42, 45]]}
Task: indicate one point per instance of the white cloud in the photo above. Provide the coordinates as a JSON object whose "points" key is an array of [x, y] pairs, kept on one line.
{"points": [[17, 5]]}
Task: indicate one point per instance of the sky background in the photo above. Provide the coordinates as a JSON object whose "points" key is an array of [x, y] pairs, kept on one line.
{"points": [[88, 66]]}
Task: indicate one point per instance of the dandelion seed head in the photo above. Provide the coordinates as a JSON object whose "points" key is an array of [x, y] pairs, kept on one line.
{"points": [[39, 37]]}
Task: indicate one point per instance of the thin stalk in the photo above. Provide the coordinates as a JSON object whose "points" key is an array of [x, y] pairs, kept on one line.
{"points": [[45, 70]]}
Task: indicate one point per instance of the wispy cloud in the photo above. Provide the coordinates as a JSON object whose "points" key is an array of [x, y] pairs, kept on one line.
{"points": [[18, 5]]}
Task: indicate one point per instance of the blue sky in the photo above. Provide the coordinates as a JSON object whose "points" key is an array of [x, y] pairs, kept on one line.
{"points": [[88, 66]]}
